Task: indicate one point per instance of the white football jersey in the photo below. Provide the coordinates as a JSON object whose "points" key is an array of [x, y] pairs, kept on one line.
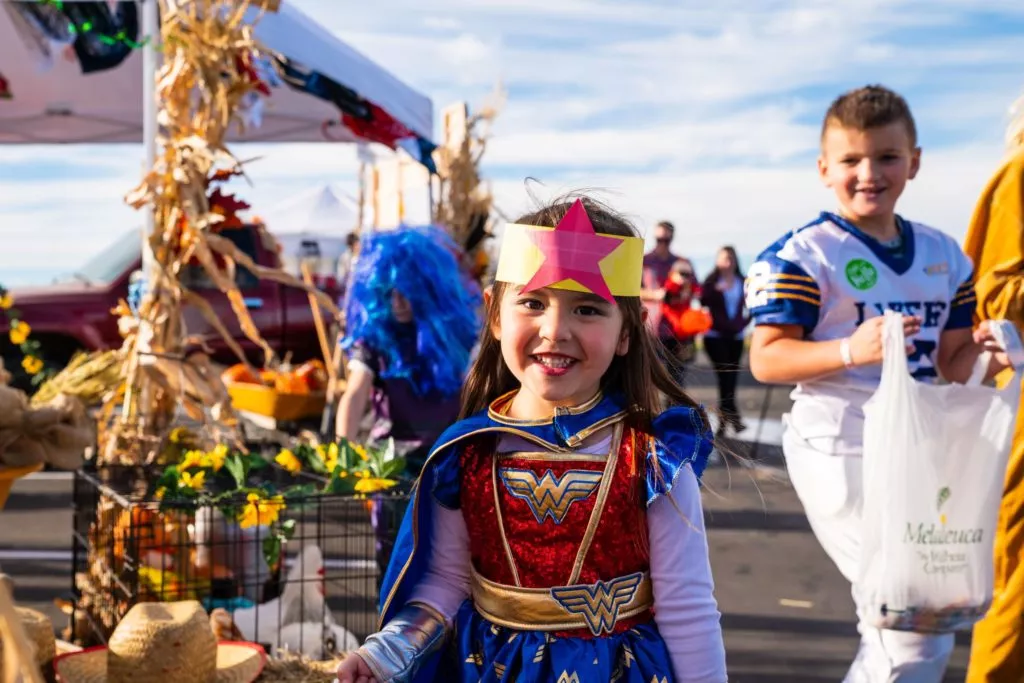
{"points": [[828, 277]]}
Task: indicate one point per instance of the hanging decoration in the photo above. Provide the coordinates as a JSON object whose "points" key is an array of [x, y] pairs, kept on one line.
{"points": [[92, 19], [362, 117], [99, 35]]}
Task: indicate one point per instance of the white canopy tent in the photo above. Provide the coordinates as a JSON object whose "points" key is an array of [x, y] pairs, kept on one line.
{"points": [[321, 210], [312, 226], [58, 103]]}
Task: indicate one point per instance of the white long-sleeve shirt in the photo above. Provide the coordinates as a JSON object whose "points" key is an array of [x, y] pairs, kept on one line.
{"points": [[685, 608]]}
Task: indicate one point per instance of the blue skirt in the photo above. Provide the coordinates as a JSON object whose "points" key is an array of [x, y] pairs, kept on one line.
{"points": [[486, 653]]}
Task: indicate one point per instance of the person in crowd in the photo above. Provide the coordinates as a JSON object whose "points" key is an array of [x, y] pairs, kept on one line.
{"points": [[722, 295], [659, 266], [995, 244], [410, 332]]}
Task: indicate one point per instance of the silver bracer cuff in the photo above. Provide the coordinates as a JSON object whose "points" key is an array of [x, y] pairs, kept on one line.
{"points": [[395, 653]]}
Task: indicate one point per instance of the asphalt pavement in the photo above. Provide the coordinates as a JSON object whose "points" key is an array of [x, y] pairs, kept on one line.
{"points": [[786, 611]]}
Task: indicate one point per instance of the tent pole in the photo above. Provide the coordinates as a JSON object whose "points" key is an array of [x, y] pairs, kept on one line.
{"points": [[150, 64]]}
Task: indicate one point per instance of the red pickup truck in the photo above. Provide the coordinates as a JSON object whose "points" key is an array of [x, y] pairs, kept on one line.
{"points": [[74, 314]]}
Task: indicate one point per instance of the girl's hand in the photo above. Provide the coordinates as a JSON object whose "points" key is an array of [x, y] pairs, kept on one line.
{"points": [[984, 338], [866, 341], [354, 670]]}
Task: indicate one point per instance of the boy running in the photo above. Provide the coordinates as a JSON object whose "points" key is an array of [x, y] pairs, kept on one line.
{"points": [[817, 297]]}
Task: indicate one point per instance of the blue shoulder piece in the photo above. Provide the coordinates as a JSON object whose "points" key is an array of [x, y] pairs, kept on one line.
{"points": [[681, 435]]}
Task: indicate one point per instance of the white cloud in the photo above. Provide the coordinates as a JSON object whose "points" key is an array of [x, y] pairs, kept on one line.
{"points": [[705, 114]]}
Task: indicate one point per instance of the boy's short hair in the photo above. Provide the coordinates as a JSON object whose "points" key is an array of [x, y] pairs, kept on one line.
{"points": [[872, 106], [666, 225]]}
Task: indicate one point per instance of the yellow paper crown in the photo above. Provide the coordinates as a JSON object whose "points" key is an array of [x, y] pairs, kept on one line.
{"points": [[571, 256]]}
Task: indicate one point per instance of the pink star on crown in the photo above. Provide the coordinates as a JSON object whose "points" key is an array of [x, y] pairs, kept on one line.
{"points": [[573, 251]]}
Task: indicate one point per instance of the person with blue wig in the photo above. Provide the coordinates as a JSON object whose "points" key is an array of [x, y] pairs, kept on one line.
{"points": [[411, 326]]}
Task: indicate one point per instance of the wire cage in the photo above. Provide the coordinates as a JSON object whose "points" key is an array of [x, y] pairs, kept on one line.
{"points": [[318, 596]]}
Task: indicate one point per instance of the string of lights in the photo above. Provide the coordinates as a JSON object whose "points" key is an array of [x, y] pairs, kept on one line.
{"points": [[88, 28]]}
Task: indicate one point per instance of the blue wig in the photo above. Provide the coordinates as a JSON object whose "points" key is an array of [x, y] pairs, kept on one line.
{"points": [[421, 263]]}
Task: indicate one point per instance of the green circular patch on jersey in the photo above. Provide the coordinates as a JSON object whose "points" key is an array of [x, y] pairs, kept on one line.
{"points": [[861, 274]]}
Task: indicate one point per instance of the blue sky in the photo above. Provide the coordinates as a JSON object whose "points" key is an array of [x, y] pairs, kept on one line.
{"points": [[706, 114]]}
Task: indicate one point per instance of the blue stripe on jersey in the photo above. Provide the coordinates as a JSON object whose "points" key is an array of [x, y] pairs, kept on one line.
{"points": [[898, 263], [790, 295], [961, 309]]}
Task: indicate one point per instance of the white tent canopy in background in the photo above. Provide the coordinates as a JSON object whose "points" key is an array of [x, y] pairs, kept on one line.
{"points": [[322, 210], [313, 225], [63, 105]]}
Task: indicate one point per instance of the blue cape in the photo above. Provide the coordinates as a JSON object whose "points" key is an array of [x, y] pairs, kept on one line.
{"points": [[681, 437]]}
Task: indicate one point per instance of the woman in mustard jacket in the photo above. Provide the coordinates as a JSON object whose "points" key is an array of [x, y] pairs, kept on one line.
{"points": [[995, 244]]}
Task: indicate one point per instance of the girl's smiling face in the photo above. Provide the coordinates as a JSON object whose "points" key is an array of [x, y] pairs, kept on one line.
{"points": [[558, 344]]}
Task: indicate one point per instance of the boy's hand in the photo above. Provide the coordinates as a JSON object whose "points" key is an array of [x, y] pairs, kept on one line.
{"points": [[354, 670], [1000, 359], [866, 341]]}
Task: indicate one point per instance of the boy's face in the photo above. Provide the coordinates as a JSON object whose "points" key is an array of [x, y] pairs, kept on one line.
{"points": [[868, 169]]}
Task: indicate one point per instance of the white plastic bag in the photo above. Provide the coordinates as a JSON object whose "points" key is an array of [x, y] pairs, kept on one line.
{"points": [[934, 463]]}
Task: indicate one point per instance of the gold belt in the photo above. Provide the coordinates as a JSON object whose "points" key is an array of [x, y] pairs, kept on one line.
{"points": [[596, 606]]}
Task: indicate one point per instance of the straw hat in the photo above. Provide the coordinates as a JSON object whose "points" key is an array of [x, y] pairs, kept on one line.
{"points": [[39, 630], [160, 642]]}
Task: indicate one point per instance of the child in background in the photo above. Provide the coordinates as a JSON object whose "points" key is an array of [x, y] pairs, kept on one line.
{"points": [[817, 297]]}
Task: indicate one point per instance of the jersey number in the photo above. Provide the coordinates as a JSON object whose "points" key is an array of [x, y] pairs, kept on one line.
{"points": [[921, 356]]}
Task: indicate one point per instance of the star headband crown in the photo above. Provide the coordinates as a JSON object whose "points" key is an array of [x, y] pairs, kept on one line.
{"points": [[571, 256]]}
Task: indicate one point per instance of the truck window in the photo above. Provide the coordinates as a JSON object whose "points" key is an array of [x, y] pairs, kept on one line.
{"points": [[194, 276], [111, 263]]}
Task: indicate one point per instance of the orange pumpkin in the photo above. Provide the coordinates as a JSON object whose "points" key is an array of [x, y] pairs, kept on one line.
{"points": [[290, 383], [313, 374], [240, 373], [268, 377]]}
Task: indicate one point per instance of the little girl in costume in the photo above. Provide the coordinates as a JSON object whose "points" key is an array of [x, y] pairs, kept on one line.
{"points": [[556, 533]]}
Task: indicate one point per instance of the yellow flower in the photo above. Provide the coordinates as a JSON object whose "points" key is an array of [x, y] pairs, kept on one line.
{"points": [[180, 435], [19, 333], [191, 459], [193, 481], [360, 451], [160, 492], [260, 511], [289, 461], [216, 457], [6, 301], [373, 484], [329, 455], [32, 365]]}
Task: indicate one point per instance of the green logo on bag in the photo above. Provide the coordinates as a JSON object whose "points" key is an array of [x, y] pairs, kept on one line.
{"points": [[944, 494], [861, 274]]}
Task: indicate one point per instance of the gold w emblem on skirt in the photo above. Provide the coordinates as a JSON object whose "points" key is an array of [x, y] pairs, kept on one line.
{"points": [[599, 603], [551, 496]]}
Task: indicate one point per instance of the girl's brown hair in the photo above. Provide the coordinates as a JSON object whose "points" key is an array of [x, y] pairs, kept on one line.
{"points": [[640, 374]]}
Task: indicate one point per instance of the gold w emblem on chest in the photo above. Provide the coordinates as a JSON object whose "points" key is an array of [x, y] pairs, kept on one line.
{"points": [[551, 496], [599, 603]]}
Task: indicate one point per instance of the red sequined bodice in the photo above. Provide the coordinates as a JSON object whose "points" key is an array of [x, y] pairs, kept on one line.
{"points": [[545, 500]]}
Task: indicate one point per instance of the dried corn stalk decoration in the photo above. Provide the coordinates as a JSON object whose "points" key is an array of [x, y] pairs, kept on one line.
{"points": [[463, 200], [209, 54]]}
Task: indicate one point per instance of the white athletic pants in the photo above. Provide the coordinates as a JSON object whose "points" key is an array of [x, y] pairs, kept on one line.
{"points": [[830, 488]]}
